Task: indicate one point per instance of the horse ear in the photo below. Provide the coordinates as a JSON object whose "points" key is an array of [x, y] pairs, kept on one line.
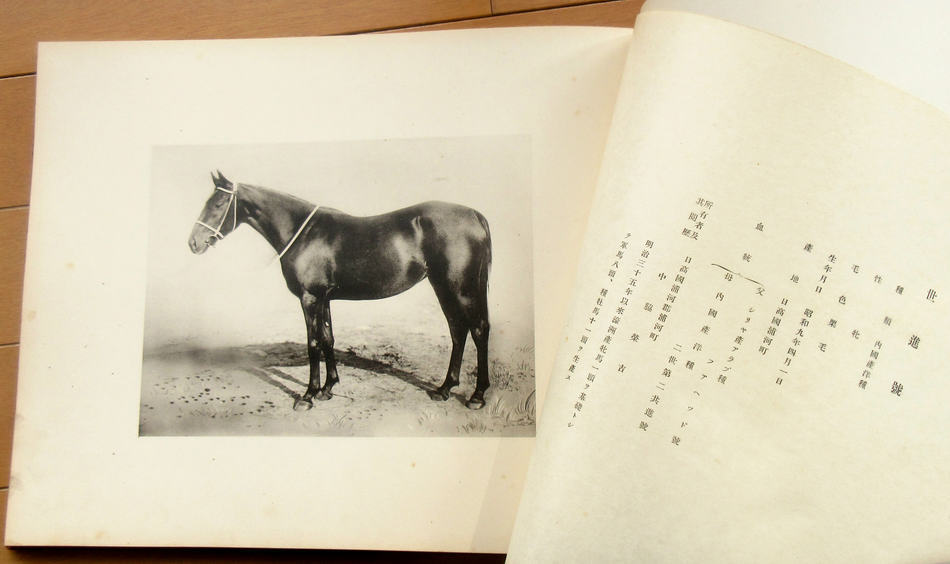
{"points": [[224, 181], [213, 179]]}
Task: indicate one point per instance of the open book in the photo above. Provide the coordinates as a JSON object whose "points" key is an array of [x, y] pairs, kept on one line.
{"points": [[716, 276]]}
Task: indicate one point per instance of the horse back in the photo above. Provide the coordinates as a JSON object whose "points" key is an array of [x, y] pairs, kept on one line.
{"points": [[379, 256]]}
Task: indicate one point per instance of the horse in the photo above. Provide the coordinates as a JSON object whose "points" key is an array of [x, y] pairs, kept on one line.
{"points": [[327, 255]]}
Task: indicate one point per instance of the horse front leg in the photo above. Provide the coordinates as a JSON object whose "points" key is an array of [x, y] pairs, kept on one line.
{"points": [[325, 340], [312, 313]]}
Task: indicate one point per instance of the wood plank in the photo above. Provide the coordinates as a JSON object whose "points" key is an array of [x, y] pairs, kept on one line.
{"points": [[137, 555], [6, 555], [8, 371], [23, 23], [499, 7], [17, 97], [12, 255], [617, 13]]}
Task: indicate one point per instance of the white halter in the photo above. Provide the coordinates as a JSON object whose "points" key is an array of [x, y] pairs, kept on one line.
{"points": [[232, 200]]}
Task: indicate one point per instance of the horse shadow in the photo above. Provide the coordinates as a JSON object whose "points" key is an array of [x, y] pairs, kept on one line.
{"points": [[270, 376], [350, 358], [265, 361]]}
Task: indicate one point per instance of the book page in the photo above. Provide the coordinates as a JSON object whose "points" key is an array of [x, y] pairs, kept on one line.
{"points": [[902, 43], [161, 394], [754, 366]]}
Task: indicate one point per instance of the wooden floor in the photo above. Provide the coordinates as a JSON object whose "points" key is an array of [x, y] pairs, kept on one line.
{"points": [[24, 22]]}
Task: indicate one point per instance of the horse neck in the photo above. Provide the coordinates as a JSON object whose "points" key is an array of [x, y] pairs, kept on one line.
{"points": [[274, 215]]}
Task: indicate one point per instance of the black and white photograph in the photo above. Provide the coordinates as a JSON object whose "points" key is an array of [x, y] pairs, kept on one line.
{"points": [[340, 288]]}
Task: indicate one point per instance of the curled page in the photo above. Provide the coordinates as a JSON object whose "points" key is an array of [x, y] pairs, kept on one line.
{"points": [[753, 370]]}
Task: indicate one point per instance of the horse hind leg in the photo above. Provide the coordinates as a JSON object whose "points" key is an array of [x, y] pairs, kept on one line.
{"points": [[480, 329], [458, 330], [459, 334], [465, 314], [459, 275], [477, 314], [462, 321]]}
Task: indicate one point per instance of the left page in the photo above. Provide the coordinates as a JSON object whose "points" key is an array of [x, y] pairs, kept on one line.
{"points": [[159, 378]]}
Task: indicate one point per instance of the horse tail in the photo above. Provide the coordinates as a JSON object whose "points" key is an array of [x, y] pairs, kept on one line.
{"points": [[484, 268]]}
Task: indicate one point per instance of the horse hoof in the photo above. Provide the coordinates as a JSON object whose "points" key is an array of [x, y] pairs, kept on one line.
{"points": [[302, 404], [437, 395], [323, 395], [475, 404]]}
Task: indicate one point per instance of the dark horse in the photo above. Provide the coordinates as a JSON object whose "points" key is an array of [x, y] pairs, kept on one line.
{"points": [[326, 255]]}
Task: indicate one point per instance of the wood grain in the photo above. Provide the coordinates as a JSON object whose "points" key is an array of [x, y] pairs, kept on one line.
{"points": [[16, 142], [235, 556], [8, 366], [12, 254], [617, 13], [23, 23], [510, 6]]}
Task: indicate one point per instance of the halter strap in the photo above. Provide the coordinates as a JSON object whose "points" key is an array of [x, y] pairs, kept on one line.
{"points": [[232, 200], [297, 234]]}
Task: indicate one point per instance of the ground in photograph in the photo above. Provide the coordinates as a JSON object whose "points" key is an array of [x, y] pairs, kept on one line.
{"points": [[250, 390]]}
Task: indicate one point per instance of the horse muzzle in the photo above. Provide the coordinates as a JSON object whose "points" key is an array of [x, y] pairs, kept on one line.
{"points": [[198, 245]]}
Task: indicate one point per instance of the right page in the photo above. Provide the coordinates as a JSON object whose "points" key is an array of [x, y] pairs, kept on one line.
{"points": [[905, 44], [754, 369]]}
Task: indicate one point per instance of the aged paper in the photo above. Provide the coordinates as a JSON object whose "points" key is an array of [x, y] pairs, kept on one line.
{"points": [[902, 43], [107, 113], [754, 367]]}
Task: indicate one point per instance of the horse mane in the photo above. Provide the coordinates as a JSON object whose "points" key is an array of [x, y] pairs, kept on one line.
{"points": [[279, 193]]}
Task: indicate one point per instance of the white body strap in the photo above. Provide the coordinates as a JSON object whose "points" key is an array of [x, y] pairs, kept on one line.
{"points": [[297, 234]]}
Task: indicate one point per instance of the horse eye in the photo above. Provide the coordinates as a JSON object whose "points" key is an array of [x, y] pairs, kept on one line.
{"points": [[219, 204]]}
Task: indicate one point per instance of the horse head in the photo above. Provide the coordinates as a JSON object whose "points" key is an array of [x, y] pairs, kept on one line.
{"points": [[217, 218]]}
